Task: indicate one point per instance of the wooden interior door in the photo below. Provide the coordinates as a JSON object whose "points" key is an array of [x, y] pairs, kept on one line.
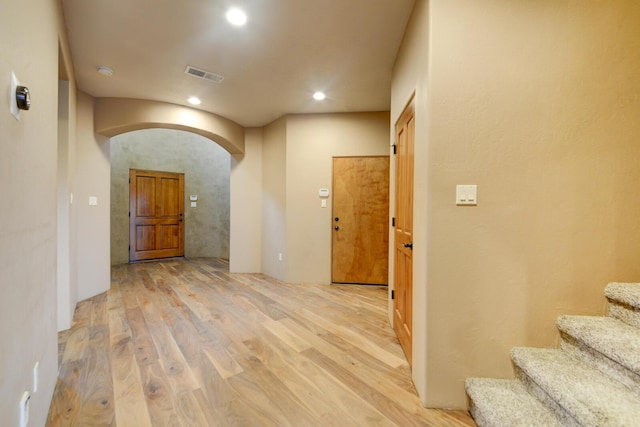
{"points": [[360, 249], [156, 207], [403, 249]]}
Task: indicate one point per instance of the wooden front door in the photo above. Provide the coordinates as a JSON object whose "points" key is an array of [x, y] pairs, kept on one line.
{"points": [[156, 207], [403, 250], [360, 250]]}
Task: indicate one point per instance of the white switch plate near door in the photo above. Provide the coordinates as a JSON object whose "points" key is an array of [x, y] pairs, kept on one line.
{"points": [[36, 375], [466, 195]]}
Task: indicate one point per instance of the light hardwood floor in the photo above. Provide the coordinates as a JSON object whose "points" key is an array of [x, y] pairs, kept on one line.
{"points": [[183, 342]]}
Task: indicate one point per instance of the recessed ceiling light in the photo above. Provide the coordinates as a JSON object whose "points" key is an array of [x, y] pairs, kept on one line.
{"points": [[195, 101], [105, 71], [319, 96], [236, 17]]}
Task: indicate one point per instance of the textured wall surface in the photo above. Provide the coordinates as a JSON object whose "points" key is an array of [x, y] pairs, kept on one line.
{"points": [[92, 220], [312, 142], [537, 104], [245, 247], [28, 172], [274, 198], [206, 168]]}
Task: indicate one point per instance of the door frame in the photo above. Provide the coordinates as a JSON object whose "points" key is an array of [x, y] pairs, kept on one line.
{"points": [[410, 105]]}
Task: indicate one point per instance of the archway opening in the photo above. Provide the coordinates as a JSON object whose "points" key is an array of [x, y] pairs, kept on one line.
{"points": [[206, 166]]}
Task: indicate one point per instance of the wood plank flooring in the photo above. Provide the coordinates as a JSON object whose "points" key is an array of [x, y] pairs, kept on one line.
{"points": [[182, 342]]}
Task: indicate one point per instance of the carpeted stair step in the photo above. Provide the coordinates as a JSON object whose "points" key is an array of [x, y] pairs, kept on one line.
{"points": [[607, 343], [576, 392], [499, 403], [624, 302]]}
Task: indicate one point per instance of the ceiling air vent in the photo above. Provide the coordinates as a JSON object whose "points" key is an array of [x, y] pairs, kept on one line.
{"points": [[196, 72]]}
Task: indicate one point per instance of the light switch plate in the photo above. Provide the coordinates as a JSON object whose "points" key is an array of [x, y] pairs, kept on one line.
{"points": [[36, 375], [466, 195], [93, 201]]}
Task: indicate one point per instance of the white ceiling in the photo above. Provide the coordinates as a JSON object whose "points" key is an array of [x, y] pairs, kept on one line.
{"points": [[287, 50]]}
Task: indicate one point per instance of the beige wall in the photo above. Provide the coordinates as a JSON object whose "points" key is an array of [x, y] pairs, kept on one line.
{"points": [[67, 238], [92, 180], [535, 103], [206, 168], [246, 205], [312, 142], [28, 153], [66, 251], [297, 153], [274, 143]]}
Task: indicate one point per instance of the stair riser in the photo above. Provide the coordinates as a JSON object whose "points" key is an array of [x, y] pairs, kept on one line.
{"points": [[535, 390], [478, 416], [605, 365], [594, 377], [625, 313], [500, 403]]}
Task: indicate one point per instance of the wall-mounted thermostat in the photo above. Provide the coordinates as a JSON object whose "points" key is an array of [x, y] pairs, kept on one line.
{"points": [[193, 198], [23, 98], [323, 192]]}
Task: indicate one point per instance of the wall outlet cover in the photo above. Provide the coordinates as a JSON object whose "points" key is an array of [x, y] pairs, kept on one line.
{"points": [[24, 409]]}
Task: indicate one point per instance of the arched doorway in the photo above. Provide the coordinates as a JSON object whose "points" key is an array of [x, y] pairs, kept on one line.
{"points": [[206, 166], [99, 120]]}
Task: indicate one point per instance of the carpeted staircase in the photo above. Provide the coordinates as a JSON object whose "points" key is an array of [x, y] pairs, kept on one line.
{"points": [[592, 380]]}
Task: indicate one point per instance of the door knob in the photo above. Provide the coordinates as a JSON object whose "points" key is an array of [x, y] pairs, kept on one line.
{"points": [[336, 219], [337, 227], [408, 245]]}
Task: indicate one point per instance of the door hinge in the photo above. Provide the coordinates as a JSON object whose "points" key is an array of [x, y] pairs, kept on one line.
{"points": [[130, 249], [395, 148], [129, 214], [129, 180], [393, 221], [393, 294]]}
